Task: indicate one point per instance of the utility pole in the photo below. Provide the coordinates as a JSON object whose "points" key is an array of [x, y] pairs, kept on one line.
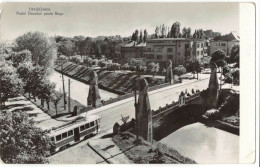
{"points": [[62, 76], [136, 108], [69, 96]]}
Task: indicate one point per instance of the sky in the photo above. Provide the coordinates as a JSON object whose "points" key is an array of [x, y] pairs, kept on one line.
{"points": [[94, 19]]}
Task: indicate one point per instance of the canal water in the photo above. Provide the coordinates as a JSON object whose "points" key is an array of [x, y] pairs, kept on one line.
{"points": [[79, 90], [204, 144]]}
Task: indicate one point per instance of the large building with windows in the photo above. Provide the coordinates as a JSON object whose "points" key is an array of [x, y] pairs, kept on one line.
{"points": [[178, 50], [160, 50], [225, 42]]}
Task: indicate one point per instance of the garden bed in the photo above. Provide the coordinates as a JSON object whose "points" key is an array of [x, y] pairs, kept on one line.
{"points": [[143, 152]]}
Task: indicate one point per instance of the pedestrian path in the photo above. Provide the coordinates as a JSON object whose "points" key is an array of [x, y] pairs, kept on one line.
{"points": [[42, 119]]}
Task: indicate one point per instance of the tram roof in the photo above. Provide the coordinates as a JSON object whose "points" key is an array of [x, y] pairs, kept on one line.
{"points": [[73, 125]]}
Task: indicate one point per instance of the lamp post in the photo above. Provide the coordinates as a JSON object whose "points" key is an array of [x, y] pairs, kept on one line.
{"points": [[136, 108]]}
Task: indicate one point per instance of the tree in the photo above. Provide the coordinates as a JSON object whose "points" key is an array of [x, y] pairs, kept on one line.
{"points": [[234, 56], [88, 61], [157, 32], [75, 59], [31, 76], [235, 75], [22, 142], [125, 66], [102, 63], [11, 85], [180, 70], [136, 65], [163, 31], [219, 58], [44, 90], [80, 45], [55, 97], [194, 66], [42, 48], [145, 35], [19, 57], [153, 68], [141, 36], [175, 30]]}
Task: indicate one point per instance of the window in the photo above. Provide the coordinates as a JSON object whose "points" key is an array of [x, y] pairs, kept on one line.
{"points": [[87, 126], [82, 127], [202, 52], [52, 139], [159, 50], [159, 57], [70, 133], [169, 50], [202, 45], [223, 44], [148, 49], [169, 56], [198, 45], [64, 135], [198, 52], [179, 53], [179, 45], [58, 138], [150, 56], [92, 124]]}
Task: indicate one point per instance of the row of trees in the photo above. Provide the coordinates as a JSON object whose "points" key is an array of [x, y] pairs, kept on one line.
{"points": [[24, 69], [174, 31], [80, 45], [139, 38], [221, 60]]}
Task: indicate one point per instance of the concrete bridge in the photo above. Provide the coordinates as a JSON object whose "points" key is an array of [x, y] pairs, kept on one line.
{"points": [[200, 102]]}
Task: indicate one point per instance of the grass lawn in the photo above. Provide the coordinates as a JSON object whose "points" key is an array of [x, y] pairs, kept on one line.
{"points": [[117, 80], [143, 152], [60, 106]]}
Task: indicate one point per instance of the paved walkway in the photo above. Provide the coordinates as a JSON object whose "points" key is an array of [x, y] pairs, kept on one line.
{"points": [[42, 119], [108, 150]]}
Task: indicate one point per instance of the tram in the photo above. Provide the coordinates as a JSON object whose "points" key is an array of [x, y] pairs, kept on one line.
{"points": [[69, 134]]}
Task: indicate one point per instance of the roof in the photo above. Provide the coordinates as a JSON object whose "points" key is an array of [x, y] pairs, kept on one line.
{"points": [[72, 125], [229, 37], [133, 44], [168, 39]]}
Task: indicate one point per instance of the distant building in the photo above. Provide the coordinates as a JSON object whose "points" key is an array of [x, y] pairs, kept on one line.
{"points": [[160, 50], [127, 51], [210, 34], [178, 50], [225, 42]]}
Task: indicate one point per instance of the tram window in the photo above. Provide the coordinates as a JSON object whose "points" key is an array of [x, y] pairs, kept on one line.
{"points": [[87, 126], [64, 135], [58, 138], [91, 124], [70, 133], [52, 139], [82, 128]]}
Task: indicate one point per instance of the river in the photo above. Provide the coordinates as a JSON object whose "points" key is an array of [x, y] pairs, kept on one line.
{"points": [[204, 144], [79, 90]]}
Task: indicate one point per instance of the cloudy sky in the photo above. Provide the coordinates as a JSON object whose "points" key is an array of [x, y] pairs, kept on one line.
{"points": [[93, 19]]}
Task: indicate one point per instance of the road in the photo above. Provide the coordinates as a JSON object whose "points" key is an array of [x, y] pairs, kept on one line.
{"points": [[157, 98], [112, 113]]}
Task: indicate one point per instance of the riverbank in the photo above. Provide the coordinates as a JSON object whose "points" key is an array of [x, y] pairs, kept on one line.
{"points": [[142, 152], [118, 82], [220, 125]]}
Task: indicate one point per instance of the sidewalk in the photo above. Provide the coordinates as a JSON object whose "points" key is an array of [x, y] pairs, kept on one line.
{"points": [[108, 150], [42, 119]]}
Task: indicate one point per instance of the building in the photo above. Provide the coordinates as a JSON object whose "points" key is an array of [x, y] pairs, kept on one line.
{"points": [[178, 50], [210, 34], [127, 51], [160, 50], [225, 42]]}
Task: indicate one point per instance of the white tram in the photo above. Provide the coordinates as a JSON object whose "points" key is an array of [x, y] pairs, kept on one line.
{"points": [[66, 135]]}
